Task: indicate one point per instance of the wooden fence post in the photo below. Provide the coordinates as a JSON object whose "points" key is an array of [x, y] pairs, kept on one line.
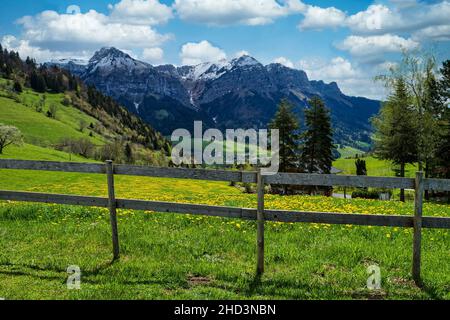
{"points": [[261, 221], [112, 209], [417, 240]]}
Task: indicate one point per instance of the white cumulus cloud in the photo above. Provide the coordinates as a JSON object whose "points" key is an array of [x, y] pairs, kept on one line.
{"points": [[371, 47], [403, 16], [51, 34], [153, 55], [318, 18], [241, 53], [351, 79], [377, 18], [337, 68], [145, 12], [89, 30], [25, 49], [438, 33], [195, 53], [284, 61], [228, 12]]}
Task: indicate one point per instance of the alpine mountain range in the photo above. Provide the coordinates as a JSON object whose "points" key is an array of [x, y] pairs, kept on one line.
{"points": [[241, 93]]}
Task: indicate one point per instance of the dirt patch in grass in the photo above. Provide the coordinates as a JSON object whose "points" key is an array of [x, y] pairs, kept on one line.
{"points": [[365, 294], [198, 281]]}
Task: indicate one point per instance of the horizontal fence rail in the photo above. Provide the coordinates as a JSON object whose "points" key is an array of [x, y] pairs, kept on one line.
{"points": [[230, 212], [303, 179], [416, 221]]}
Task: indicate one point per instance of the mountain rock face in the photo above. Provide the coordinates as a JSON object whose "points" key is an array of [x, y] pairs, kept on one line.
{"points": [[241, 93]]}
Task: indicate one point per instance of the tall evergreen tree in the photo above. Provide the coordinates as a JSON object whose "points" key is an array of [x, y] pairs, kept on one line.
{"points": [[288, 125], [443, 149], [37, 82], [317, 147], [128, 153], [396, 134], [431, 124], [361, 168]]}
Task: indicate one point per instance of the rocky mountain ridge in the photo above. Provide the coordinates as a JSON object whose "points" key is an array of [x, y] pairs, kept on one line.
{"points": [[241, 93]]}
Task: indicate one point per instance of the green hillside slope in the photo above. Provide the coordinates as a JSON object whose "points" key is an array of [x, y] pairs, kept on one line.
{"points": [[41, 130], [56, 111], [31, 152]]}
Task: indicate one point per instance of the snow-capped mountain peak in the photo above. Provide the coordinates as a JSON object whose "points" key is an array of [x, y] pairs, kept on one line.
{"points": [[110, 53], [214, 70], [110, 58], [244, 61], [208, 70]]}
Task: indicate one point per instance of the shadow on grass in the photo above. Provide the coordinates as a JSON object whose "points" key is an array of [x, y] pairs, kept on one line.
{"points": [[254, 285], [96, 271], [431, 291]]}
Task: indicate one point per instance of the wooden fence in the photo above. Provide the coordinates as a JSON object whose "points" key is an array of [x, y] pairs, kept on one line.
{"points": [[260, 214]]}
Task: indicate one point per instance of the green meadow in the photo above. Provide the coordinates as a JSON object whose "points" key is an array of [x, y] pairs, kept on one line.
{"points": [[375, 167], [174, 256]]}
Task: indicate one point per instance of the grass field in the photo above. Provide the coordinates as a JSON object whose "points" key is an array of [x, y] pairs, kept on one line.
{"points": [[32, 152], [347, 152], [168, 256], [375, 167]]}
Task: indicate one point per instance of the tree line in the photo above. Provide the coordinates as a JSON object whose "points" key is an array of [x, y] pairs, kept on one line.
{"points": [[413, 126], [309, 150]]}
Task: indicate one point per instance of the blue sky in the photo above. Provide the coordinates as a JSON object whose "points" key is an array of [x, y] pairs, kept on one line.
{"points": [[344, 41]]}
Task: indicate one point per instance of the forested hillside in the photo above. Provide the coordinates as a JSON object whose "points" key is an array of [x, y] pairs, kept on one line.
{"points": [[54, 110]]}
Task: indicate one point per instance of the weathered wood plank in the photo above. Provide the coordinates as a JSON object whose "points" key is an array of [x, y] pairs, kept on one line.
{"points": [[417, 226], [437, 184], [112, 209], [436, 223], [54, 198], [194, 209], [340, 180], [339, 218], [185, 173], [231, 212], [52, 166], [224, 175]]}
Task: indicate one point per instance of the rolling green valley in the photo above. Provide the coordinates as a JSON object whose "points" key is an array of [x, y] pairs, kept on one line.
{"points": [[225, 158]]}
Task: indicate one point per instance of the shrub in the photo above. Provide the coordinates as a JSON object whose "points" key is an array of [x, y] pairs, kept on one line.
{"points": [[247, 187], [52, 111], [9, 135], [83, 146], [17, 87], [366, 194], [66, 101]]}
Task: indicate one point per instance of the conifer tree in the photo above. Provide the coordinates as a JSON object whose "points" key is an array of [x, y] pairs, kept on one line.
{"points": [[317, 148], [288, 125], [396, 134], [361, 168], [128, 153], [443, 148]]}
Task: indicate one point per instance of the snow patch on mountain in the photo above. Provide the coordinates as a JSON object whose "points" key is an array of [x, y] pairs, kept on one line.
{"points": [[245, 61], [214, 70], [208, 70], [80, 62]]}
